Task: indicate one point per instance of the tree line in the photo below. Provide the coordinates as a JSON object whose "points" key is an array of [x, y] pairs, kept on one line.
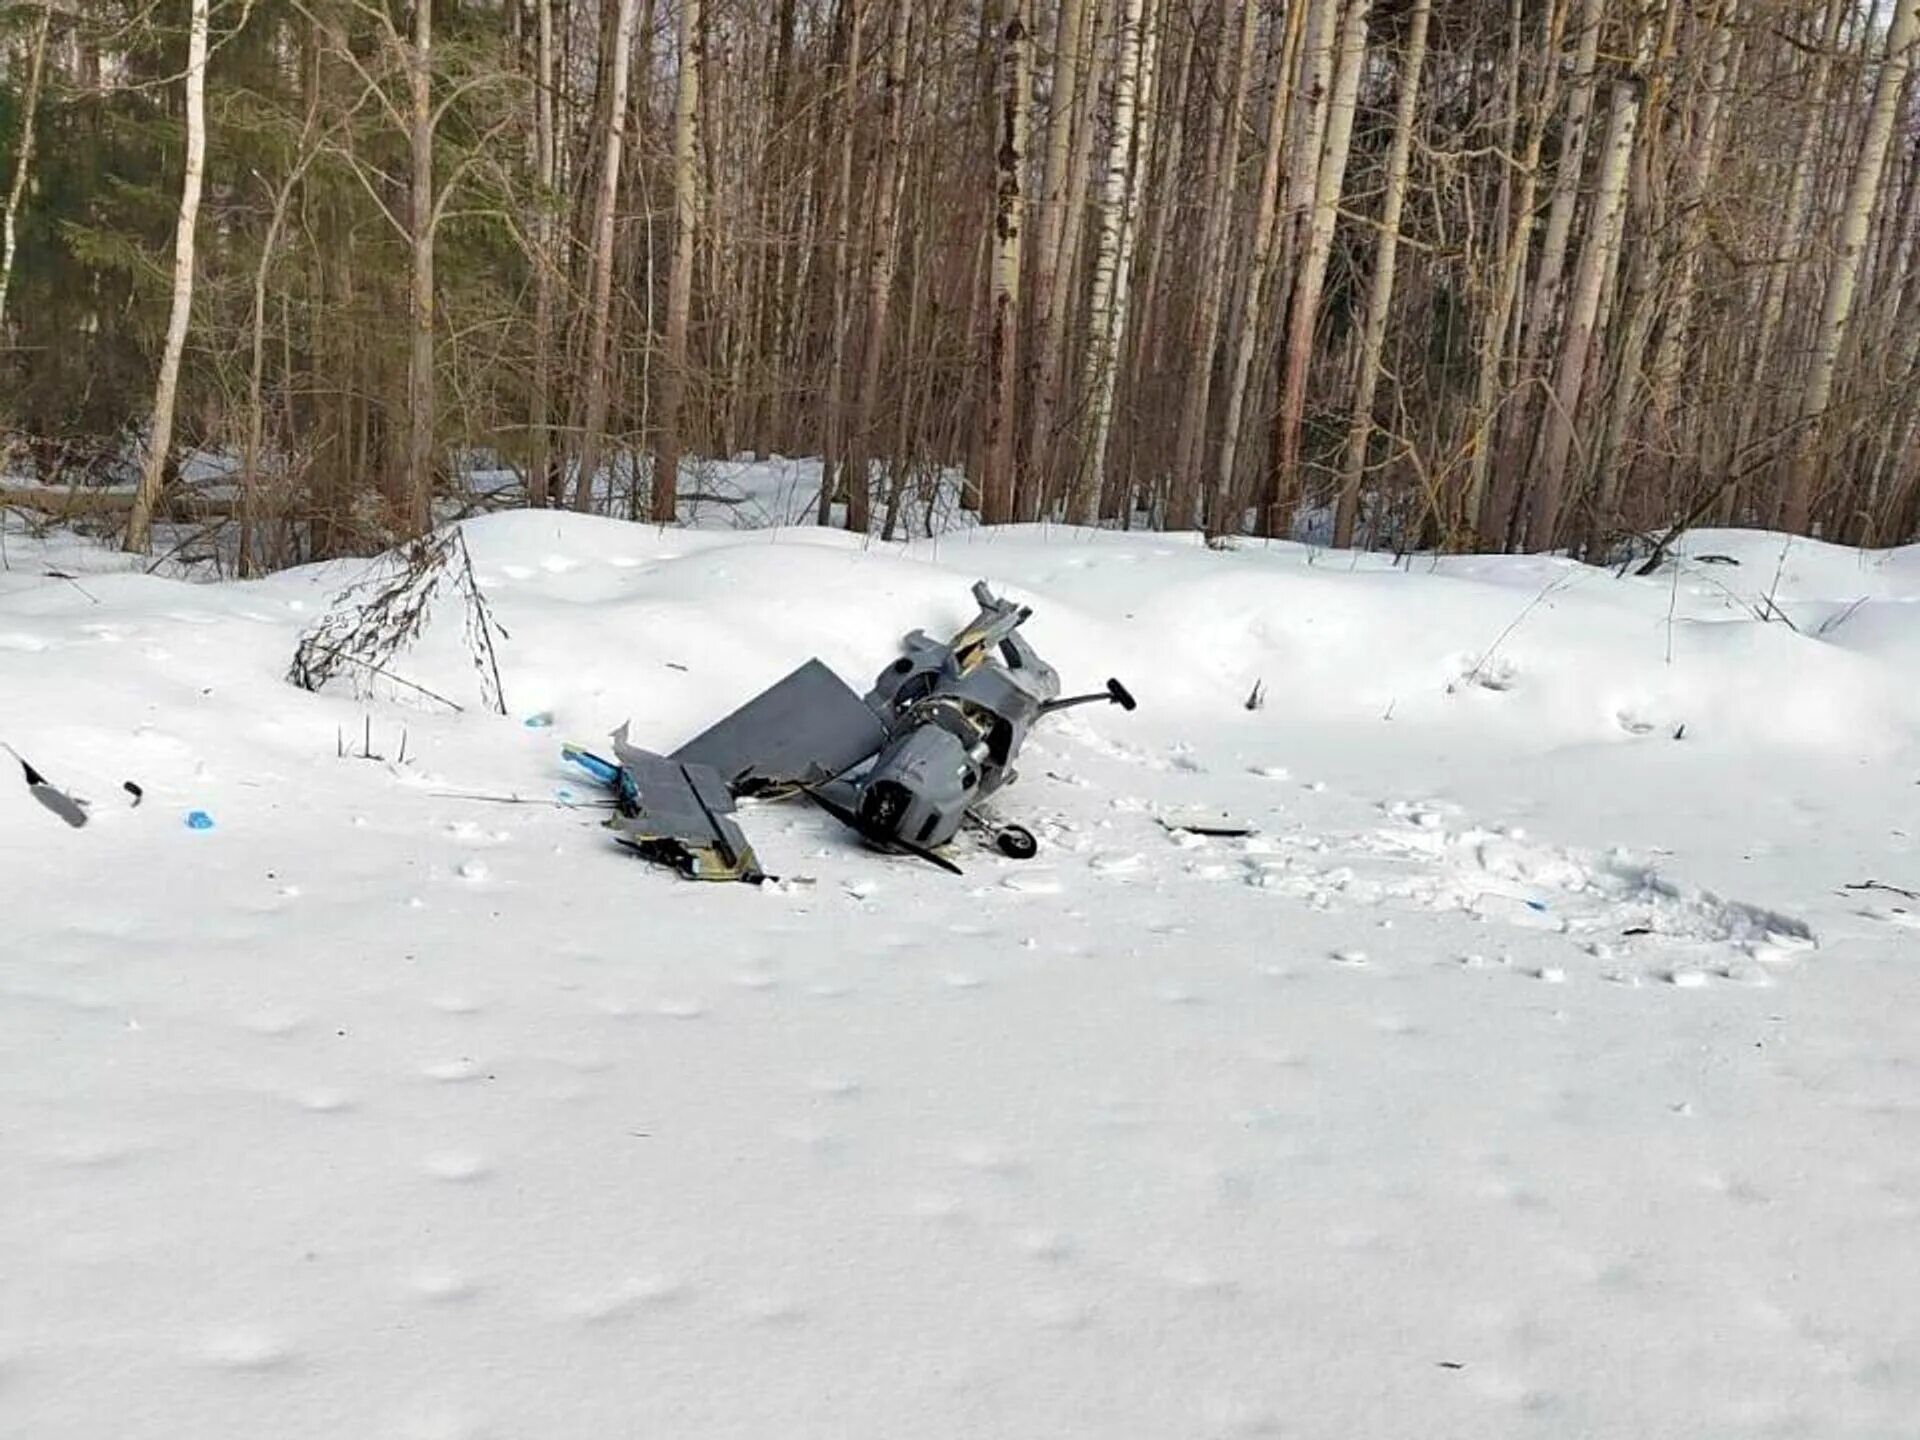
{"points": [[1471, 274]]}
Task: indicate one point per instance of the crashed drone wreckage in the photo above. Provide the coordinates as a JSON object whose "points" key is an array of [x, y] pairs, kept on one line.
{"points": [[907, 767]]}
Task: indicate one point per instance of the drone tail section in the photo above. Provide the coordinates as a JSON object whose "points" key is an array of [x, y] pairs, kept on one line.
{"points": [[673, 813]]}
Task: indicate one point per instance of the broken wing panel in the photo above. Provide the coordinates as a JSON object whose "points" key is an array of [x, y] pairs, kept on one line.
{"points": [[804, 729], [681, 815]]}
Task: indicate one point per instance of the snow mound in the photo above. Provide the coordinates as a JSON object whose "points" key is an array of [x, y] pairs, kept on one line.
{"points": [[1529, 1018]]}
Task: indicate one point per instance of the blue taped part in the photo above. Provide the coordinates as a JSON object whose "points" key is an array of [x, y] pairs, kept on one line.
{"points": [[605, 771], [199, 820], [540, 721]]}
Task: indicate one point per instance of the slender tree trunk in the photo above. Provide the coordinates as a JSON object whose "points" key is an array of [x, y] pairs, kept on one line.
{"points": [[160, 442], [1052, 384], [1476, 516], [540, 460], [1783, 262], [996, 484], [1703, 158], [1106, 310], [1218, 185], [882, 264], [420, 377], [247, 515], [1566, 186], [1596, 255], [600, 300], [1544, 304], [1044, 257], [23, 159], [1843, 279], [1226, 490], [686, 210], [1306, 296], [1380, 294], [1144, 364], [833, 452]]}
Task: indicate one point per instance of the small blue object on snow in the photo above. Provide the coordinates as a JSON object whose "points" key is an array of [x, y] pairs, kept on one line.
{"points": [[199, 820], [1539, 905], [564, 795], [540, 721]]}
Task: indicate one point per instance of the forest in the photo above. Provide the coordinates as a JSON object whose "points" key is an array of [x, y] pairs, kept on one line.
{"points": [[1412, 274]]}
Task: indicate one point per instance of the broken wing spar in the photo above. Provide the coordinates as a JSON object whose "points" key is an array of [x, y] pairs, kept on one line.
{"points": [[906, 767]]}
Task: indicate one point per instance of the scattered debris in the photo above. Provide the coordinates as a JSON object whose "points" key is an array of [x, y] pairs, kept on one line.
{"points": [[67, 807], [1257, 697], [906, 767], [71, 808], [1207, 822], [1877, 885]]}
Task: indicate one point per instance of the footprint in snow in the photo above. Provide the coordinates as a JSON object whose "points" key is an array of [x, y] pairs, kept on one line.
{"points": [[449, 1072], [325, 1102], [442, 1286], [456, 1166], [245, 1350]]}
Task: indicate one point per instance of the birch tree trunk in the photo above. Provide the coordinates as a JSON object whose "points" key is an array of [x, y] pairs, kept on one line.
{"points": [[540, 461], [153, 467], [1305, 310], [686, 210], [1380, 293], [1107, 308], [1566, 186], [1052, 383], [1843, 279], [1189, 456], [833, 451], [1055, 202], [1543, 306], [420, 377], [23, 159], [1477, 518], [996, 484], [600, 299], [1703, 157], [882, 264], [1226, 488], [1570, 373]]}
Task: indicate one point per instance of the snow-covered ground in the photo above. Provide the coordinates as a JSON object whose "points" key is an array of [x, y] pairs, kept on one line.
{"points": [[1529, 1072]]}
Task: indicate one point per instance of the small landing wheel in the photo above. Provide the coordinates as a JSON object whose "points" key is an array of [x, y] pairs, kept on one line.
{"points": [[1016, 842]]}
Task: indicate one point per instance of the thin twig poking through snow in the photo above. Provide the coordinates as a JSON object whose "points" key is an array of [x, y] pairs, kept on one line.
{"points": [[1559, 582], [1834, 622], [1673, 601]]}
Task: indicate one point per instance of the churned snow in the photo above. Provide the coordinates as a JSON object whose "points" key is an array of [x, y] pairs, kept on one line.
{"points": [[1528, 1071]]}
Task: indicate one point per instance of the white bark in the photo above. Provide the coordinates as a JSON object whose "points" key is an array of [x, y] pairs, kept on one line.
{"points": [[1596, 256], [1843, 278], [1380, 293], [23, 159], [996, 484], [686, 212], [1107, 310], [166, 387], [1260, 263], [1330, 177], [601, 295], [539, 485]]}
